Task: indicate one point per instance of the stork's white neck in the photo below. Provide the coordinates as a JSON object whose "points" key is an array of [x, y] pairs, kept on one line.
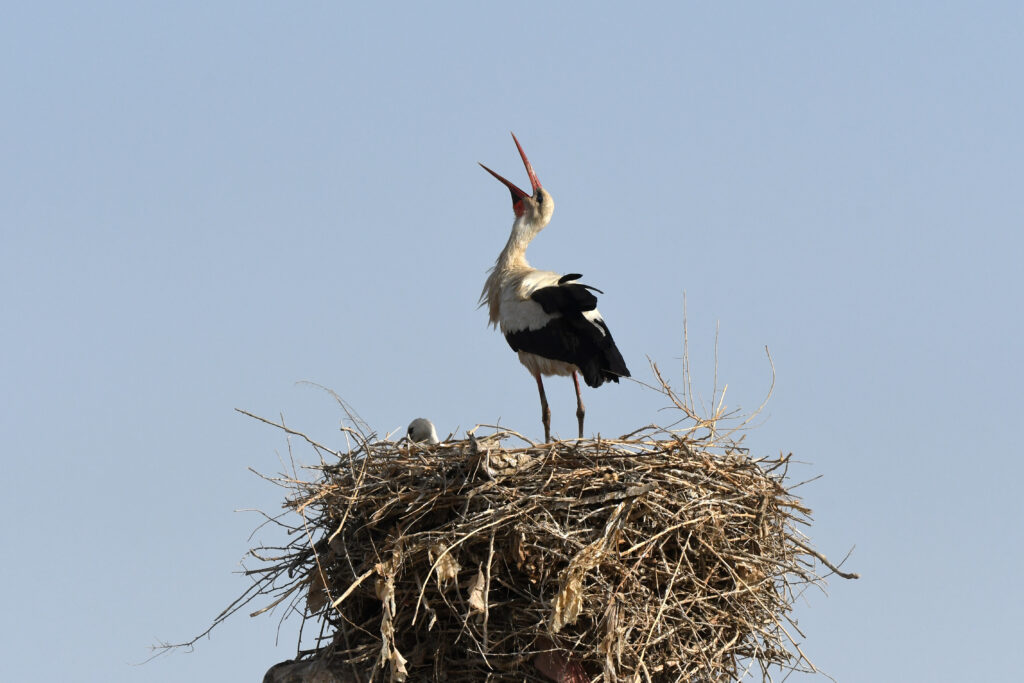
{"points": [[514, 253]]}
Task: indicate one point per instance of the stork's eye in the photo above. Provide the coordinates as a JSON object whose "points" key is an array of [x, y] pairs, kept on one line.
{"points": [[540, 197]]}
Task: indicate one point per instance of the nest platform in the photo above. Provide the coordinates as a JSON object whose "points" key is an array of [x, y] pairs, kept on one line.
{"points": [[653, 557]]}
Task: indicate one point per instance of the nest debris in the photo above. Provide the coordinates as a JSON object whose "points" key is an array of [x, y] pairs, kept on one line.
{"points": [[659, 556]]}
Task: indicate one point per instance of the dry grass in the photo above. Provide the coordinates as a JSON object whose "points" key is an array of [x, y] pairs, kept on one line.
{"points": [[664, 555]]}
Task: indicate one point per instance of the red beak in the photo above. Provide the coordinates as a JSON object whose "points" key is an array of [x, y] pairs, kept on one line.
{"points": [[517, 194]]}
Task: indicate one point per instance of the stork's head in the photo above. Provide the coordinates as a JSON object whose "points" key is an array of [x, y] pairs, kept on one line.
{"points": [[536, 208]]}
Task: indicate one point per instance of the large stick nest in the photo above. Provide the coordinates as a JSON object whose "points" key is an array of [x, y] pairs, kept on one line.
{"points": [[655, 557]]}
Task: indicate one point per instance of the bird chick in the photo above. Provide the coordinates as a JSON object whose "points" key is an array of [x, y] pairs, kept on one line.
{"points": [[421, 430]]}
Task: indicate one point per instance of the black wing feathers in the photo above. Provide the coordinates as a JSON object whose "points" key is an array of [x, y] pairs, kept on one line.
{"points": [[565, 299], [570, 337], [576, 276]]}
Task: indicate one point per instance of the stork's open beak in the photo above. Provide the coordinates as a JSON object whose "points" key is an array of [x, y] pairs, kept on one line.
{"points": [[517, 194]]}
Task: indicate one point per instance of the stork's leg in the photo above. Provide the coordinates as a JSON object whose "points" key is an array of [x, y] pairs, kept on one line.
{"points": [[545, 412], [580, 410]]}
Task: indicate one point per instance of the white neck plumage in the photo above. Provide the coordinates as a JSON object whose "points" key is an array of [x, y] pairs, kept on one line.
{"points": [[514, 253]]}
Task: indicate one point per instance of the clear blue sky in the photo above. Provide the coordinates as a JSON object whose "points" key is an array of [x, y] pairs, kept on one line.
{"points": [[203, 204]]}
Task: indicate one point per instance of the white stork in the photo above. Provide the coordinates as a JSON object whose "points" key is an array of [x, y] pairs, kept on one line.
{"points": [[550, 320], [421, 430]]}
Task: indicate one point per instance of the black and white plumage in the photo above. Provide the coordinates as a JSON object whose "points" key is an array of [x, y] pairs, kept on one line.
{"points": [[421, 430], [550, 320]]}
